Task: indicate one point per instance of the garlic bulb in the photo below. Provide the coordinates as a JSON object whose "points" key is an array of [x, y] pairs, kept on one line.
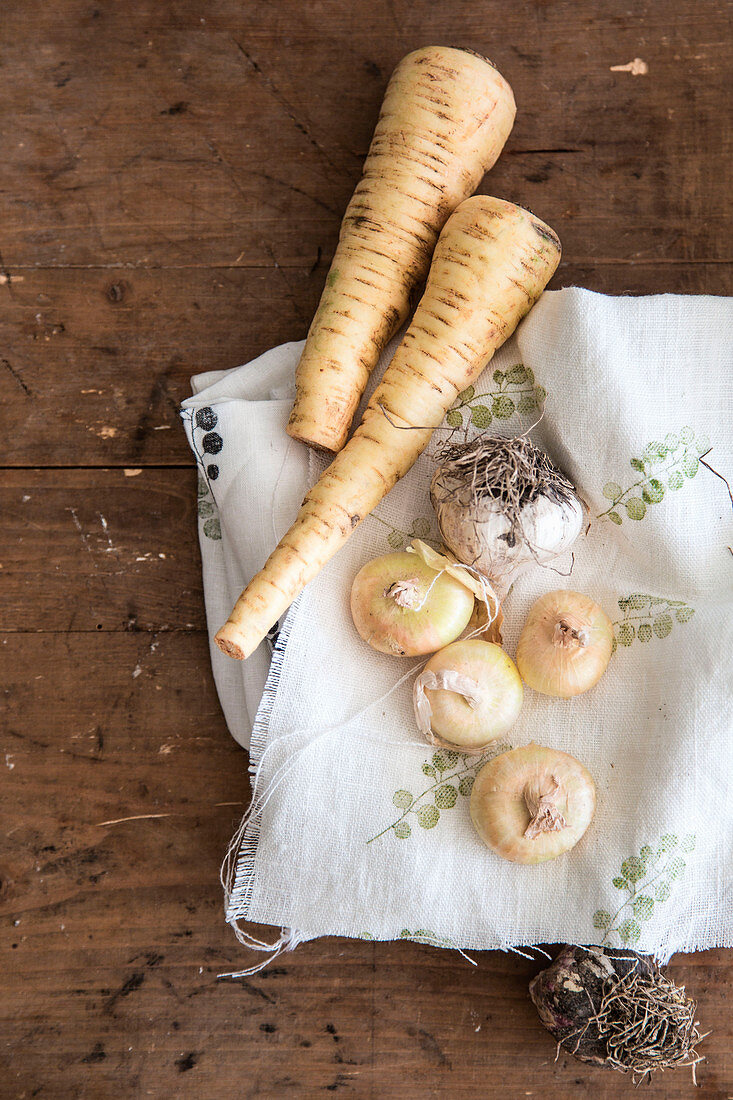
{"points": [[400, 605], [532, 804], [502, 504], [467, 695], [565, 645]]}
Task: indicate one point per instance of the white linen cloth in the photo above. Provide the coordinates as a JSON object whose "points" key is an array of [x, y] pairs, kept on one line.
{"points": [[360, 828]]}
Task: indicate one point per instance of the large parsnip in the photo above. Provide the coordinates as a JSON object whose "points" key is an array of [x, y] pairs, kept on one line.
{"points": [[491, 263]]}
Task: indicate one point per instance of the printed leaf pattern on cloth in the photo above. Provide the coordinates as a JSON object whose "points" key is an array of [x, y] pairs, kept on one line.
{"points": [[515, 392], [420, 935], [423, 527], [647, 881], [662, 468], [208, 511], [452, 776], [646, 617], [206, 443]]}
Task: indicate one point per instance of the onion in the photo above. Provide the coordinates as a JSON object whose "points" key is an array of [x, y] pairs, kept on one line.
{"points": [[467, 695], [401, 606], [532, 804], [565, 645], [502, 504]]}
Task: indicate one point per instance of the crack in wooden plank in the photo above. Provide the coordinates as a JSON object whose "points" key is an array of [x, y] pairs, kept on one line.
{"points": [[16, 376], [278, 96]]}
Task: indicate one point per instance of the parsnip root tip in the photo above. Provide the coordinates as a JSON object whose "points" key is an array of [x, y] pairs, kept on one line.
{"points": [[322, 439], [227, 646]]}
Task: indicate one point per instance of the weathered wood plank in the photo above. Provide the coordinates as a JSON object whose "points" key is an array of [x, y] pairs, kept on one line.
{"points": [[114, 934], [99, 550], [171, 187], [94, 362], [239, 138]]}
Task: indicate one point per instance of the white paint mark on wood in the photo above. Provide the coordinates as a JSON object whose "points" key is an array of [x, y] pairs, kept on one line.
{"points": [[135, 817], [637, 67], [9, 761]]}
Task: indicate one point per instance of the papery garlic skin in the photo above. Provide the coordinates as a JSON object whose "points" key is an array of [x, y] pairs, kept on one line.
{"points": [[508, 790], [480, 533], [469, 726], [565, 645], [401, 606]]}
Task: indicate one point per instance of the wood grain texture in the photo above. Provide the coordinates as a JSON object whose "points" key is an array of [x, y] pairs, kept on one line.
{"points": [[171, 187], [114, 932]]}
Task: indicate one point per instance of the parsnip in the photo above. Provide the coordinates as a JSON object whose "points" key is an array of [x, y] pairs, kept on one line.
{"points": [[444, 120], [491, 263]]}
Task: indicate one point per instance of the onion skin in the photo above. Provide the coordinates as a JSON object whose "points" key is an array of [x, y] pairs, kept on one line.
{"points": [[388, 626], [568, 994], [564, 669], [499, 809], [457, 725]]}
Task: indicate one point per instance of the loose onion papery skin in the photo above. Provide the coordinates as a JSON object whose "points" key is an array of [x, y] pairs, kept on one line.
{"points": [[401, 606], [455, 724], [559, 789], [565, 645]]}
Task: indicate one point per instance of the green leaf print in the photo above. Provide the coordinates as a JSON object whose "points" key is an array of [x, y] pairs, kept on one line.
{"points": [[516, 392], [646, 616], [503, 407], [645, 881], [662, 466], [428, 816], [480, 416], [635, 508], [446, 797], [206, 505], [423, 935], [629, 932], [452, 776], [398, 538]]}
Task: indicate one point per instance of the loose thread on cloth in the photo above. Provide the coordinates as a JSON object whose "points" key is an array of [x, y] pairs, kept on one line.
{"points": [[276, 488], [256, 807], [237, 859]]}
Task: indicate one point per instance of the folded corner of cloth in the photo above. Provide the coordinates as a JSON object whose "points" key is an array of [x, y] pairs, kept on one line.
{"points": [[357, 828]]}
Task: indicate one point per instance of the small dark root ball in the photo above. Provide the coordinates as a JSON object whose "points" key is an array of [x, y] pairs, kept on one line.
{"points": [[612, 1007]]}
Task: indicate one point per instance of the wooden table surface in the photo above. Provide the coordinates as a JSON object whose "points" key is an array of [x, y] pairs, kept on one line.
{"points": [[172, 180]]}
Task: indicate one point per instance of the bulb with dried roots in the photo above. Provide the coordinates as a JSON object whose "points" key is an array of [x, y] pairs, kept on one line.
{"points": [[502, 505], [467, 695], [532, 804], [565, 645]]}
